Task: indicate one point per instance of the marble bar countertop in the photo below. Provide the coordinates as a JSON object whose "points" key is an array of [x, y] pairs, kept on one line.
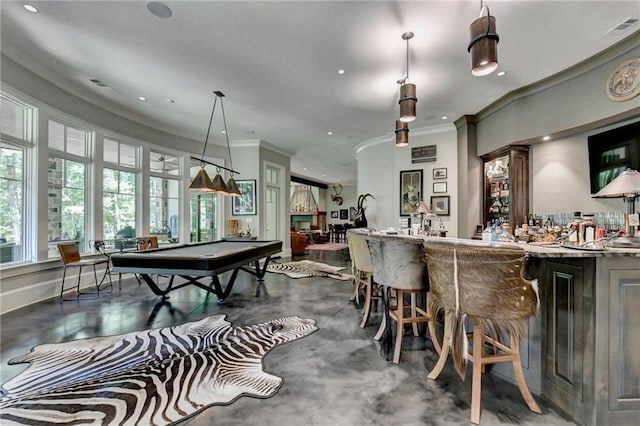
{"points": [[538, 250], [556, 250]]}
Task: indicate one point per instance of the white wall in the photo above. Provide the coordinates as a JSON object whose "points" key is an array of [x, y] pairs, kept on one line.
{"points": [[349, 196], [380, 164]]}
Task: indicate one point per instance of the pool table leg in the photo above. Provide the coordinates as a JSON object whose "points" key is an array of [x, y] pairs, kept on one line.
{"points": [[154, 287], [217, 286], [259, 272]]}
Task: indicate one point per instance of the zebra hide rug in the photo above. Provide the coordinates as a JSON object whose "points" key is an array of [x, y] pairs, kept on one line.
{"points": [[152, 377], [308, 268]]}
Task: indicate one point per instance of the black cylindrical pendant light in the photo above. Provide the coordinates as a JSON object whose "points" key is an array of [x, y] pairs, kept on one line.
{"points": [[483, 45], [402, 133], [408, 97]]}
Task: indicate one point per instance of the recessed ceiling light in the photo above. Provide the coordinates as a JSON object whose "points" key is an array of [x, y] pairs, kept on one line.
{"points": [[323, 175], [546, 138], [329, 133], [142, 98], [158, 9], [501, 73], [31, 8], [337, 180], [223, 132], [444, 117], [171, 101], [341, 71], [305, 169]]}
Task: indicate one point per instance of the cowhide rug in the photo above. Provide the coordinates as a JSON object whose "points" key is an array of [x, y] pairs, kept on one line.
{"points": [[308, 268], [152, 377]]}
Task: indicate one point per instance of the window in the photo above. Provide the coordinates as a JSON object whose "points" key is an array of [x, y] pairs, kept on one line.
{"points": [[66, 202], [164, 197], [11, 203], [119, 189], [203, 209], [119, 203], [67, 185], [16, 122]]}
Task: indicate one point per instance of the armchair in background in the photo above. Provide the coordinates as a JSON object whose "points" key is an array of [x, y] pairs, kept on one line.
{"points": [[298, 243]]}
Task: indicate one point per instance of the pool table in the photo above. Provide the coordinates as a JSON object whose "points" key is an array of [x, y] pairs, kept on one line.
{"points": [[197, 261]]}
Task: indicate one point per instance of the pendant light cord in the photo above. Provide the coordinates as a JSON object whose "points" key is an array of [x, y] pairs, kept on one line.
{"points": [[407, 79], [226, 134], [209, 129]]}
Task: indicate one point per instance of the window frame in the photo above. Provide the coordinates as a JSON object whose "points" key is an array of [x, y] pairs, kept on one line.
{"points": [[88, 161], [168, 176], [27, 145]]}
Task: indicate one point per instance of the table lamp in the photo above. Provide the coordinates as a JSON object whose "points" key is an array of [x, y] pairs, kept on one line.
{"points": [[422, 209], [627, 186]]}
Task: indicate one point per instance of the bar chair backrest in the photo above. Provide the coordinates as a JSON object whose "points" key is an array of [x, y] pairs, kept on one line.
{"points": [[482, 281], [360, 251], [398, 262]]}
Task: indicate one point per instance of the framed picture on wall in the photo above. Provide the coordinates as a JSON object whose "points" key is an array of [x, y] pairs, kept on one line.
{"points": [[245, 204], [439, 187], [410, 191], [440, 205], [440, 173], [334, 214], [344, 214]]}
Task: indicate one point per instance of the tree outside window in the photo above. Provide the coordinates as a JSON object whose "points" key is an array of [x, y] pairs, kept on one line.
{"points": [[67, 184], [11, 203], [119, 186], [119, 203], [17, 125], [66, 202]]}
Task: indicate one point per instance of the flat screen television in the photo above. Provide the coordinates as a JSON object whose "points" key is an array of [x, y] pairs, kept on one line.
{"points": [[612, 152]]}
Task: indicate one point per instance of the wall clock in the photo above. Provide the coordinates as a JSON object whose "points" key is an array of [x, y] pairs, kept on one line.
{"points": [[624, 82]]}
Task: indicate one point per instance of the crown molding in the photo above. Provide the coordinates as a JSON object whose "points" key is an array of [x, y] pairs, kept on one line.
{"points": [[260, 144]]}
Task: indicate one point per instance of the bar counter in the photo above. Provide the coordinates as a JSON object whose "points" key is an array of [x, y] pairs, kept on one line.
{"points": [[582, 352]]}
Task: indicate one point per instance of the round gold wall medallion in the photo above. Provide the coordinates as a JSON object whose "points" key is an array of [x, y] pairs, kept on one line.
{"points": [[624, 82]]}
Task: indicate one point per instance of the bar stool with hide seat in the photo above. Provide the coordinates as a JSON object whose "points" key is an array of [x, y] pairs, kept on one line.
{"points": [[71, 259], [398, 265], [363, 271], [482, 282]]}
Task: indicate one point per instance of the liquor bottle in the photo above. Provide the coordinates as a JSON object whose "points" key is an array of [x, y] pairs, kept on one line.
{"points": [[486, 234]]}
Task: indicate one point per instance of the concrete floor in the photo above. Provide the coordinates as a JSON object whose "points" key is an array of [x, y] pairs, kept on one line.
{"points": [[335, 376]]}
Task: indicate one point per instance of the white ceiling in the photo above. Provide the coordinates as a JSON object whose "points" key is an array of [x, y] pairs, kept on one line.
{"points": [[277, 63]]}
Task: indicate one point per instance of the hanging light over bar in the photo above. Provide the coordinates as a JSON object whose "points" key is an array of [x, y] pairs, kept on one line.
{"points": [[402, 133], [408, 97], [484, 44]]}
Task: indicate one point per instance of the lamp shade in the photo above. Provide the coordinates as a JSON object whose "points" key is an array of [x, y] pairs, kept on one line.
{"points": [[483, 46], [408, 102], [202, 182], [422, 208], [626, 184], [219, 186], [232, 187], [402, 133]]}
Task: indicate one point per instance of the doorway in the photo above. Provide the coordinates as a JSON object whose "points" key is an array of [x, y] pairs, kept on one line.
{"points": [[272, 201]]}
